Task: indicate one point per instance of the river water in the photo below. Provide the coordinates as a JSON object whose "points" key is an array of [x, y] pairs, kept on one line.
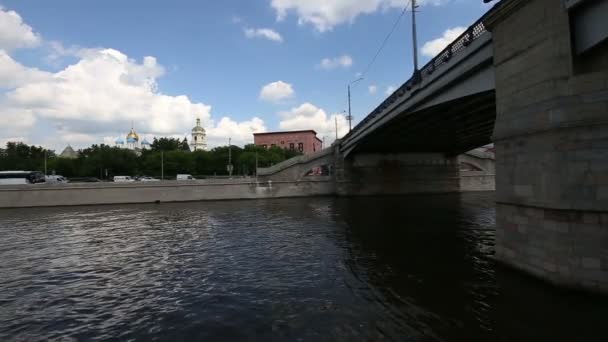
{"points": [[317, 269]]}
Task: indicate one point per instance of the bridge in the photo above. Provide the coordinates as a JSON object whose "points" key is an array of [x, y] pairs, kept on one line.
{"points": [[453, 96], [531, 76]]}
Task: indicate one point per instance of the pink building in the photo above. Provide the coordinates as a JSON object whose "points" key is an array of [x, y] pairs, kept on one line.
{"points": [[302, 141]]}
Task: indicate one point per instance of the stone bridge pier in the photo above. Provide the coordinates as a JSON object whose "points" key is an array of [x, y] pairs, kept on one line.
{"points": [[551, 138], [403, 173]]}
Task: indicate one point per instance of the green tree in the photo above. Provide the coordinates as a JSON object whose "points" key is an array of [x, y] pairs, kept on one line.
{"points": [[184, 146], [165, 144], [95, 160], [20, 156]]}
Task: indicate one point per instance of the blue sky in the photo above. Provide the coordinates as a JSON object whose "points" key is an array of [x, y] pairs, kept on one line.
{"points": [[79, 72]]}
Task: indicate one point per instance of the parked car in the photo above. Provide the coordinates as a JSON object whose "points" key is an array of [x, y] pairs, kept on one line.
{"points": [[185, 177], [52, 179], [123, 179], [148, 179]]}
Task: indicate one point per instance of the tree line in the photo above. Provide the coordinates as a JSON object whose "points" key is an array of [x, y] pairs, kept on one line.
{"points": [[104, 162]]}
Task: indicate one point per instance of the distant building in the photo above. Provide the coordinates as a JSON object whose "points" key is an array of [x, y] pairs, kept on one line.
{"points": [[302, 141], [198, 142], [68, 153], [132, 142]]}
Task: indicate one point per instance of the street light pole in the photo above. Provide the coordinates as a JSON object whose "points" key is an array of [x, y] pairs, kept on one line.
{"points": [[45, 156], [162, 165], [414, 35], [417, 76], [336, 120], [350, 116], [229, 157]]}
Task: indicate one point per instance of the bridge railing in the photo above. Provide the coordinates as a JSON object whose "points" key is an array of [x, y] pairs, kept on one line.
{"points": [[474, 31], [293, 161]]}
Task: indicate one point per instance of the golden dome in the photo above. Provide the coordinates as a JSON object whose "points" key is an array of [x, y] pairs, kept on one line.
{"points": [[133, 135]]}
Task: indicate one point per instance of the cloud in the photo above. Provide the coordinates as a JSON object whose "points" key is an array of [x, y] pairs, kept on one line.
{"points": [[277, 91], [373, 89], [98, 96], [241, 133], [324, 14], [264, 33], [309, 116], [13, 74], [95, 98], [434, 47], [390, 90], [14, 33], [344, 61]]}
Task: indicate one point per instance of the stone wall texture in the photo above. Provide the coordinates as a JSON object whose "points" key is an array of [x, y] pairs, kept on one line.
{"points": [[551, 138], [170, 191]]}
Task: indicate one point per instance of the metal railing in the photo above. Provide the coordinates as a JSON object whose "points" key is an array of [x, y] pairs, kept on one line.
{"points": [[303, 159], [474, 31]]}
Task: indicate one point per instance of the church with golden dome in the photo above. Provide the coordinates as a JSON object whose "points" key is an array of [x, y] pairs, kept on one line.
{"points": [[132, 142]]}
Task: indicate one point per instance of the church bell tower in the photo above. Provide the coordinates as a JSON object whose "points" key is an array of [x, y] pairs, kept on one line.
{"points": [[198, 142]]}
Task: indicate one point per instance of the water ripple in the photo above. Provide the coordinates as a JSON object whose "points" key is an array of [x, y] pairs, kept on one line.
{"points": [[395, 269]]}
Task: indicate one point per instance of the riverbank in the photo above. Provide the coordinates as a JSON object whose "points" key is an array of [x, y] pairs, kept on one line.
{"points": [[74, 194]]}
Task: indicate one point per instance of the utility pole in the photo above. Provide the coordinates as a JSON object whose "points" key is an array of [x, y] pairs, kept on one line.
{"points": [[336, 119], [162, 165], [350, 117], [415, 39], [229, 167], [45, 156], [256, 165]]}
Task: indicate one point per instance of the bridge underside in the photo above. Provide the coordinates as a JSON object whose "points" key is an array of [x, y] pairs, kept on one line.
{"points": [[451, 128]]}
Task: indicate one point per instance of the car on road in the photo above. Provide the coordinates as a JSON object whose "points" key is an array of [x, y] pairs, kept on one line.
{"points": [[185, 177], [148, 179], [123, 179], [54, 179]]}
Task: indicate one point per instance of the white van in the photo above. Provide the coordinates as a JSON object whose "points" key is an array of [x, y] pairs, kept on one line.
{"points": [[52, 179], [185, 177], [123, 179]]}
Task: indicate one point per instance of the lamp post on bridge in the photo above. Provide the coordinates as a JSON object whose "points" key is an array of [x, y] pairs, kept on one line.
{"points": [[350, 116], [416, 77]]}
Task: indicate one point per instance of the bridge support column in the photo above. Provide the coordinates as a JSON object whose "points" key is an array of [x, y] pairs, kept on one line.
{"points": [[385, 174], [551, 139]]}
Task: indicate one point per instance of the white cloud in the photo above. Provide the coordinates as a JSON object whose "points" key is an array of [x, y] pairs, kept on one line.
{"points": [[240, 132], [277, 91], [13, 74], [434, 47], [14, 33], [308, 116], [107, 87], [373, 89], [3, 140], [99, 96], [57, 51], [265, 33], [324, 14], [390, 90], [344, 61], [94, 99]]}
